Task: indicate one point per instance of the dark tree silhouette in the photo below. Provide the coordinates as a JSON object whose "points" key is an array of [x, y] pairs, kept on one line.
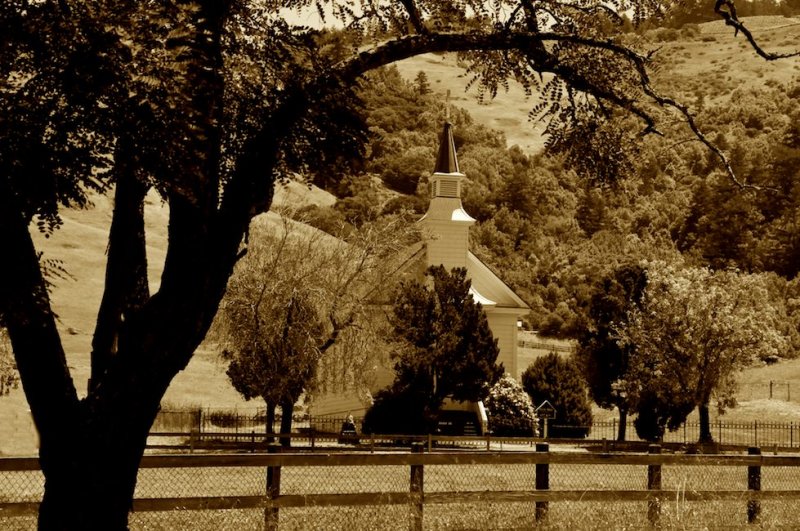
{"points": [[603, 360]]}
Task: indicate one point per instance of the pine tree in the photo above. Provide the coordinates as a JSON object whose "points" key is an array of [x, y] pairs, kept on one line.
{"points": [[445, 348], [421, 84]]}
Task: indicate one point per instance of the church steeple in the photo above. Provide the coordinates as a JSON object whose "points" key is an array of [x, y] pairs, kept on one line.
{"points": [[446, 219], [447, 161], [447, 178]]}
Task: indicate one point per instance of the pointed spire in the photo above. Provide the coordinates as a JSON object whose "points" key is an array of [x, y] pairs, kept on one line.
{"points": [[447, 162]]}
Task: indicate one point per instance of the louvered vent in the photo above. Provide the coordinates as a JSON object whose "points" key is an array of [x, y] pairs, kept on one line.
{"points": [[447, 188]]}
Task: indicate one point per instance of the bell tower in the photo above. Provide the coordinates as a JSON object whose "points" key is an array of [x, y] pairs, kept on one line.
{"points": [[446, 221]]}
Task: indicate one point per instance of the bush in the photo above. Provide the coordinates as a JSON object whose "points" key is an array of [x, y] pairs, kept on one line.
{"points": [[559, 381], [510, 409], [396, 412]]}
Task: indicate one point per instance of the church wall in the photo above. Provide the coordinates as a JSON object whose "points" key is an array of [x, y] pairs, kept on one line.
{"points": [[449, 248], [504, 329]]}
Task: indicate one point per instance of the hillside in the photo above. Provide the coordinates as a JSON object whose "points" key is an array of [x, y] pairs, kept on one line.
{"points": [[710, 62]]}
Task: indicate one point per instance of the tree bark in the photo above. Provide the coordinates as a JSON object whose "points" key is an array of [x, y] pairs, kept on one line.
{"points": [[705, 423], [623, 424], [287, 408], [269, 426], [126, 282], [90, 483]]}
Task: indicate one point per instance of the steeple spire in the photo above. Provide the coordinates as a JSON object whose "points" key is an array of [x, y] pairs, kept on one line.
{"points": [[447, 162]]}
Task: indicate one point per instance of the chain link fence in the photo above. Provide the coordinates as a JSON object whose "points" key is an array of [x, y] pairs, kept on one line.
{"points": [[462, 490]]}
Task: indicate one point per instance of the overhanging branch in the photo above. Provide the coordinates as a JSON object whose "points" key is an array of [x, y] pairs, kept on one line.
{"points": [[727, 10]]}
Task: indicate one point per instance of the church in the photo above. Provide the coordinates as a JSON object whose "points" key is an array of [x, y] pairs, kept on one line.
{"points": [[445, 242]]}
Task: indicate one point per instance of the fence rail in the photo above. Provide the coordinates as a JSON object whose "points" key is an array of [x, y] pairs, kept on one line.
{"points": [[416, 489]]}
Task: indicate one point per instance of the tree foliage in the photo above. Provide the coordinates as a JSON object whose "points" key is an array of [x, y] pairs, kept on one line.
{"points": [[211, 103], [603, 360], [299, 303], [445, 348], [559, 381], [694, 331]]}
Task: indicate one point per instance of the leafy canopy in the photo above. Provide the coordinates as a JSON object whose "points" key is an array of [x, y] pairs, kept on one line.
{"points": [[693, 332]]}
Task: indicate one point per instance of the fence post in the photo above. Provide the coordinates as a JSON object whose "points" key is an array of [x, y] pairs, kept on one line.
{"points": [[753, 484], [542, 482], [770, 389], [271, 513], [755, 431], [417, 492], [654, 484]]}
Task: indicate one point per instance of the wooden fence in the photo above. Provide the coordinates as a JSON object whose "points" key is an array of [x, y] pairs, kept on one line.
{"points": [[539, 493]]}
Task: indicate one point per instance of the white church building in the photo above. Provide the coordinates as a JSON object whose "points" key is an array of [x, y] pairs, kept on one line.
{"points": [[446, 242]]}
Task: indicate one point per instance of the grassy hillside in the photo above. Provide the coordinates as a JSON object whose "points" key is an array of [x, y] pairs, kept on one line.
{"points": [[711, 61], [508, 112]]}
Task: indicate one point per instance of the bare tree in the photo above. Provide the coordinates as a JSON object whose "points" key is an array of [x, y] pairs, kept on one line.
{"points": [[302, 298]]}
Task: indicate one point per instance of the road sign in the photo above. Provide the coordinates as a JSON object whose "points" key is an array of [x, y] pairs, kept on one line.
{"points": [[546, 410]]}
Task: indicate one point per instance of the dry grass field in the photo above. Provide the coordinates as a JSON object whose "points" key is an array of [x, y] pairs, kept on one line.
{"points": [[713, 57]]}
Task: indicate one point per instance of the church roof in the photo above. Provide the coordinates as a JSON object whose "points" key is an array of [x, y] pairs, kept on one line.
{"points": [[446, 161], [490, 286], [487, 288]]}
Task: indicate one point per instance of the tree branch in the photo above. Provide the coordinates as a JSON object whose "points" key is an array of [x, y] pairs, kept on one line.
{"points": [[26, 312], [727, 10], [414, 16]]}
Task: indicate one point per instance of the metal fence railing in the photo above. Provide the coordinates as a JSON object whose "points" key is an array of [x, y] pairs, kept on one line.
{"points": [[454, 490], [240, 421], [755, 433], [244, 424]]}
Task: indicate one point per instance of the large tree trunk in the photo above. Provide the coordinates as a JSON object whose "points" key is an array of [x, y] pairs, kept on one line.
{"points": [[90, 485], [705, 423], [287, 408], [623, 424]]}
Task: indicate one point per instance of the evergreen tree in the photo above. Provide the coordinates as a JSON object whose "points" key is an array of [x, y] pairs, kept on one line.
{"points": [[559, 381], [445, 348], [421, 84], [601, 358]]}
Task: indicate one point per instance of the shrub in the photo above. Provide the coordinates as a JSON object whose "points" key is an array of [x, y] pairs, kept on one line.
{"points": [[396, 412], [559, 381], [510, 409]]}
